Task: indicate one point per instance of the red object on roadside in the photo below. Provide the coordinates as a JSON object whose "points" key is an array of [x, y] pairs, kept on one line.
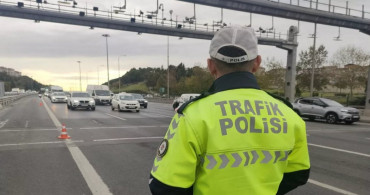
{"points": [[64, 134]]}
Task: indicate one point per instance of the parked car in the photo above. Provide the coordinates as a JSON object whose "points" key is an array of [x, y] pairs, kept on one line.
{"points": [[58, 97], [322, 108], [125, 101], [80, 100], [183, 98], [143, 102]]}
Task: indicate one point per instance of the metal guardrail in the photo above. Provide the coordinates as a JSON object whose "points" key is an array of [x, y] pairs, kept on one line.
{"points": [[6, 100], [160, 100]]}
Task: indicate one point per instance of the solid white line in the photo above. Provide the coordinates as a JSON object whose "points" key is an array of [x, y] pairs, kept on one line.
{"points": [[38, 143], [330, 187], [123, 127], [115, 117], [340, 150], [16, 130], [92, 178], [127, 138]]}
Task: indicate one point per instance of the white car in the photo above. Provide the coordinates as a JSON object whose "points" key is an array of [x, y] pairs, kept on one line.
{"points": [[183, 98], [80, 100], [125, 101], [58, 97]]}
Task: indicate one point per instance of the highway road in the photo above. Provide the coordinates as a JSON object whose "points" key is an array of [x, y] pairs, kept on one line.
{"points": [[112, 152]]}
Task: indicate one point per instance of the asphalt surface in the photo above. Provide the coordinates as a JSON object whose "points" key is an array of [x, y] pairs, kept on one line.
{"points": [[121, 146]]}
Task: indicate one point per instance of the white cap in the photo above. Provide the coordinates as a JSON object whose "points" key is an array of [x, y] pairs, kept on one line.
{"points": [[234, 44]]}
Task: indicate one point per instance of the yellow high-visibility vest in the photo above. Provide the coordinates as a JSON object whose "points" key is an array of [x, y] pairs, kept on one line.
{"points": [[239, 141]]}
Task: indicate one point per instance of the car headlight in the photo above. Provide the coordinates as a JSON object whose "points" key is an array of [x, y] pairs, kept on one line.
{"points": [[92, 101], [75, 101], [145, 101], [344, 110]]}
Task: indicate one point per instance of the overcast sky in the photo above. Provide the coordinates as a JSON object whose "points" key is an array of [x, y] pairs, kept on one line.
{"points": [[49, 52]]}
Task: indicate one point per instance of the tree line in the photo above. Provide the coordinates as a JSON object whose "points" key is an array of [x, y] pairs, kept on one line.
{"points": [[347, 69], [22, 82], [181, 79]]}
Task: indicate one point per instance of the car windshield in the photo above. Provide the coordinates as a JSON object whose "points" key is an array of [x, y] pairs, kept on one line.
{"points": [[80, 95], [137, 96], [102, 92], [59, 94], [126, 97], [332, 103]]}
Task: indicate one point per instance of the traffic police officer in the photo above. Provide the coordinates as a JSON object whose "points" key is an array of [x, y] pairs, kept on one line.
{"points": [[235, 138]]}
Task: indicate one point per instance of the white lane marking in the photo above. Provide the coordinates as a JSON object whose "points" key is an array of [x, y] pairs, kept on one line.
{"points": [[26, 125], [38, 143], [339, 131], [122, 127], [115, 117], [340, 150], [335, 189], [3, 123], [92, 178], [16, 130], [155, 115], [127, 138]]}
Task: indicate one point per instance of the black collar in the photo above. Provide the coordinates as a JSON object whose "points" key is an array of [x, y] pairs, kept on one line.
{"points": [[234, 80]]}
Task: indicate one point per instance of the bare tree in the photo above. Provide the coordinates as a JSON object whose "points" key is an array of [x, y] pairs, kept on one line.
{"points": [[353, 62], [304, 68]]}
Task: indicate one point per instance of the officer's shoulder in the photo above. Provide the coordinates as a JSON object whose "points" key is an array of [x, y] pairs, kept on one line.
{"points": [[187, 104], [281, 99]]}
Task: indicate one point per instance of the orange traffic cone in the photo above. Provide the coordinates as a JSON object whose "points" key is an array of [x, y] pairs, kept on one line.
{"points": [[64, 134]]}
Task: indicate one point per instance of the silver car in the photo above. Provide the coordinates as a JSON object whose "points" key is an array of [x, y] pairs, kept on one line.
{"points": [[80, 100], [322, 108], [58, 97]]}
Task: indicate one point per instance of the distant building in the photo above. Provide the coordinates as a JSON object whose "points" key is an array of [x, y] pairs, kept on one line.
{"points": [[10, 71]]}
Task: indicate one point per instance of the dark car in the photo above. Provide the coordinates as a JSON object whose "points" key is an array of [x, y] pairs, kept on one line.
{"points": [[143, 102]]}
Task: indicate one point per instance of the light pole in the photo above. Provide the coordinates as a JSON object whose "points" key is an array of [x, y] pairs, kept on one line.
{"points": [[98, 73], [106, 42], [168, 67], [119, 75], [313, 62], [79, 65]]}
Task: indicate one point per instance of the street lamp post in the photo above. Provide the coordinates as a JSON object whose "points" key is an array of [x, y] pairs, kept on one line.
{"points": [[106, 42], [79, 65], [313, 62], [168, 67], [119, 75]]}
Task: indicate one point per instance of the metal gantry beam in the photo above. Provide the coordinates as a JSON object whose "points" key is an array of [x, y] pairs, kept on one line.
{"points": [[40, 15], [290, 12], [114, 24]]}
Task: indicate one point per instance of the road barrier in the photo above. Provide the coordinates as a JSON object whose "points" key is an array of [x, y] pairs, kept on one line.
{"points": [[161, 100], [6, 100]]}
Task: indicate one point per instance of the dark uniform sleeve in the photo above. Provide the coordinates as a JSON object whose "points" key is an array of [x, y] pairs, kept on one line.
{"points": [[298, 168]]}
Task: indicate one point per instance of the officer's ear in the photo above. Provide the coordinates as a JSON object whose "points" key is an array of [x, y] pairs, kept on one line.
{"points": [[212, 67], [256, 64]]}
